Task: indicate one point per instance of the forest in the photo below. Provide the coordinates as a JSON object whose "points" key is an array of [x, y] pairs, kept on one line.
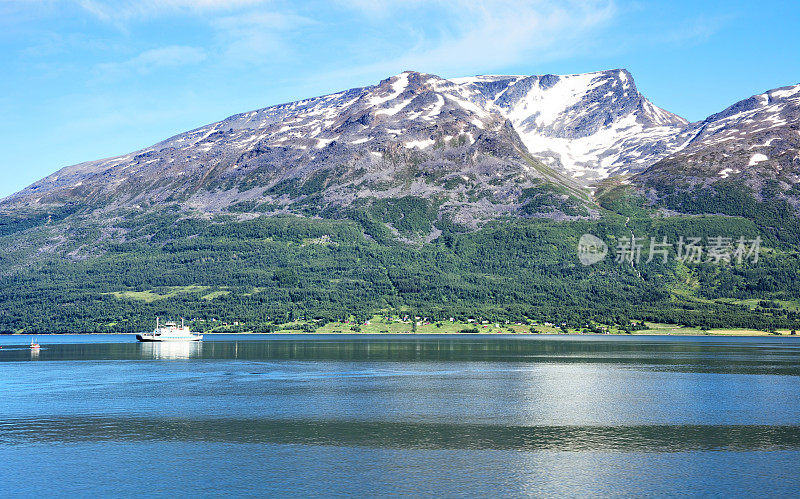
{"points": [[81, 274]]}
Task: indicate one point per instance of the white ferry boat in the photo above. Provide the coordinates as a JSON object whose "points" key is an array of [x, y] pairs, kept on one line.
{"points": [[170, 332]]}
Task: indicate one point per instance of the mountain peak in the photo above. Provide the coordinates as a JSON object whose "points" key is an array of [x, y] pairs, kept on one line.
{"points": [[590, 124], [494, 132]]}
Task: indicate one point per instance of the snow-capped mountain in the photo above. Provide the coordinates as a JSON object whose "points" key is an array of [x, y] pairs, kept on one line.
{"points": [[591, 125], [748, 131], [755, 142], [475, 148], [413, 134]]}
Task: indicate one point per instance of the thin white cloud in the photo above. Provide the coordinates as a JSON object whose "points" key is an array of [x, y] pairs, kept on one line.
{"points": [[117, 11], [244, 31], [480, 36], [697, 29], [154, 59], [257, 36], [437, 36]]}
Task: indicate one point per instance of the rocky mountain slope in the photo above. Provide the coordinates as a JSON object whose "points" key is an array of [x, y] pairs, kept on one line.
{"points": [[464, 150], [411, 135], [755, 143], [192, 226], [589, 125]]}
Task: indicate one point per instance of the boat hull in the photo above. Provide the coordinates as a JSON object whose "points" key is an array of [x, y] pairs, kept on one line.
{"points": [[146, 338]]}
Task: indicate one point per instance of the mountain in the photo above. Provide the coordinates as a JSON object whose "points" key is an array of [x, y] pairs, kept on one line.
{"points": [[480, 147], [755, 142], [743, 161], [410, 135], [462, 197], [589, 125], [477, 148]]}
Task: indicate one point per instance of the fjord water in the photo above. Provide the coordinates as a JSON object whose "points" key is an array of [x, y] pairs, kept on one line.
{"points": [[447, 416]]}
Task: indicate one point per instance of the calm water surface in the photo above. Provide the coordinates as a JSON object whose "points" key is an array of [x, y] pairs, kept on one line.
{"points": [[425, 415]]}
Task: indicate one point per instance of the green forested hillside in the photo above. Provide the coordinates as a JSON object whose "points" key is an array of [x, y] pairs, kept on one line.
{"points": [[77, 274]]}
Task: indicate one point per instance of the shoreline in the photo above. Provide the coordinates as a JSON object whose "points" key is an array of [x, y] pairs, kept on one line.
{"points": [[393, 326], [711, 333]]}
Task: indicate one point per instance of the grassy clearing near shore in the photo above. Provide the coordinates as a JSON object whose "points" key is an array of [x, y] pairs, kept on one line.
{"points": [[380, 325], [658, 328], [674, 329], [393, 325], [748, 332]]}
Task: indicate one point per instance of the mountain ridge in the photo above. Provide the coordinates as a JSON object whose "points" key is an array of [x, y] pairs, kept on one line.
{"points": [[477, 147], [752, 146], [418, 195]]}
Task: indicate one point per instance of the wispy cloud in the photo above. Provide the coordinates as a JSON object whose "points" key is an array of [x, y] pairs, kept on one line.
{"points": [[257, 36], [116, 11], [490, 34], [154, 59], [242, 31], [696, 29], [368, 36]]}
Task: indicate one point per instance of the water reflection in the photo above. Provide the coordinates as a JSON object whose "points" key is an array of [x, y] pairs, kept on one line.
{"points": [[470, 416], [406, 435], [172, 350], [723, 355]]}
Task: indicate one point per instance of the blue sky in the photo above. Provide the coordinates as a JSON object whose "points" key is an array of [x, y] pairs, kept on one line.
{"points": [[86, 79]]}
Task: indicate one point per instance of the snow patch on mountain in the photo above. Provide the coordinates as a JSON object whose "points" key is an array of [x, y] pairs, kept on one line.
{"points": [[421, 144], [591, 125], [756, 159], [545, 104]]}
